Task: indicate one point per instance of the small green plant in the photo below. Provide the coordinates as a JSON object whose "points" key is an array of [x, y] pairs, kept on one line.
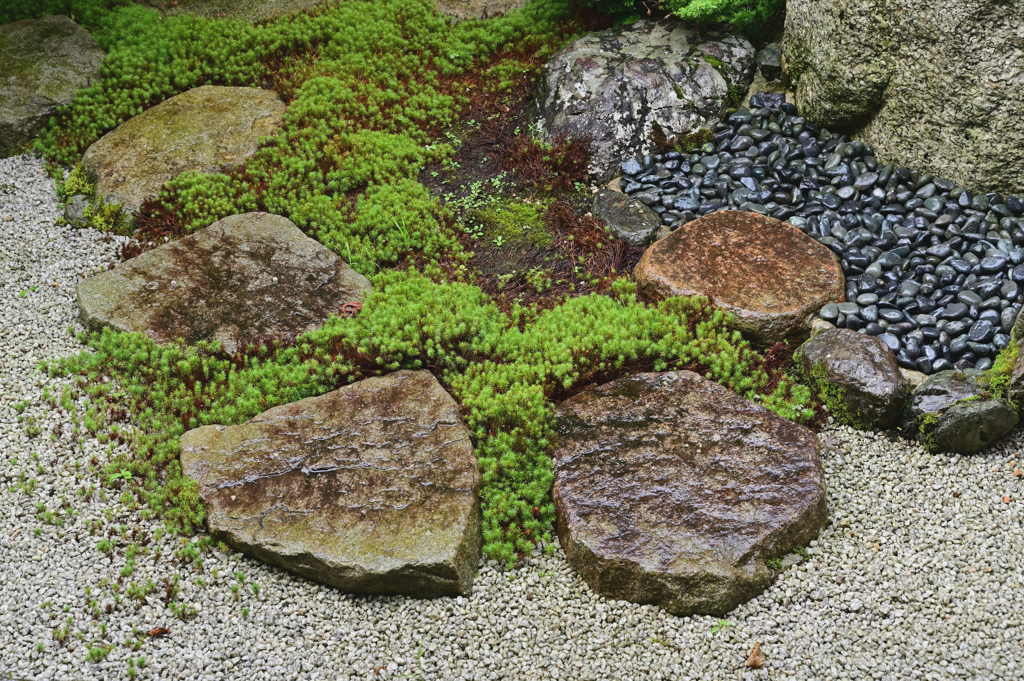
{"points": [[802, 552], [97, 653], [40, 647], [721, 624], [774, 564]]}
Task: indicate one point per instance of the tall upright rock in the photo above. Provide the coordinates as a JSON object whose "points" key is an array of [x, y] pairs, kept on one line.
{"points": [[932, 85]]}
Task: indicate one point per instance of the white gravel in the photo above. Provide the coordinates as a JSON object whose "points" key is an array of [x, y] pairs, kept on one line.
{"points": [[918, 577]]}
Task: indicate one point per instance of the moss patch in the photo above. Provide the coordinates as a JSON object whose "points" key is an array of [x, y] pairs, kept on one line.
{"points": [[512, 222]]}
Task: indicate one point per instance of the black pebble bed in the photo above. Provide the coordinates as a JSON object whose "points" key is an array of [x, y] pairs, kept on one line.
{"points": [[932, 269]]}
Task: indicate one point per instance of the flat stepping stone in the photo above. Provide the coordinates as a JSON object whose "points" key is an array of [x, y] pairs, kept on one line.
{"points": [[770, 275], [204, 129], [671, 489], [42, 63], [856, 376], [246, 277], [371, 488], [250, 10]]}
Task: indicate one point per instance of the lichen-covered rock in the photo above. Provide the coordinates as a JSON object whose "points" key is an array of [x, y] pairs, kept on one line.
{"points": [[477, 9], [933, 85], [42, 63], [956, 414], [246, 277], [204, 129], [672, 489], [627, 218], [250, 10], [616, 85], [371, 488], [769, 274], [856, 376]]}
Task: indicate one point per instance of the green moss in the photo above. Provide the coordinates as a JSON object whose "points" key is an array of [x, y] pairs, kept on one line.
{"points": [[515, 223], [832, 395], [997, 378], [108, 217], [693, 141], [77, 182]]}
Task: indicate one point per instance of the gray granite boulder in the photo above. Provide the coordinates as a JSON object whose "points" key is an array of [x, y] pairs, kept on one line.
{"points": [[627, 218], [42, 63], [674, 490], [204, 129], [955, 413], [855, 376], [371, 488], [617, 85], [246, 277], [933, 85]]}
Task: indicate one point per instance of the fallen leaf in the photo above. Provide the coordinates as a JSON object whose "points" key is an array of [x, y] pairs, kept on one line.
{"points": [[1006, 500], [159, 631], [1017, 473], [756, 658]]}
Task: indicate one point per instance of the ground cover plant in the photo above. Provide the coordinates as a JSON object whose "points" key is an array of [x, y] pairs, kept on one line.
{"points": [[381, 96], [749, 17]]}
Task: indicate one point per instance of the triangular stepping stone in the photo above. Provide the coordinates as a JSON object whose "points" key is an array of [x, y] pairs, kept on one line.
{"points": [[671, 489], [246, 277], [42, 63], [371, 488], [204, 129]]}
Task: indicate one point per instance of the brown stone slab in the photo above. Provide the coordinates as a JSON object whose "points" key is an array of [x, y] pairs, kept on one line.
{"points": [[371, 488], [770, 275], [672, 489], [245, 277]]}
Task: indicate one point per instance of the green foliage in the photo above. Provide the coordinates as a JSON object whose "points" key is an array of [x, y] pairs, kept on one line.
{"points": [[997, 378], [742, 16], [514, 222], [85, 12], [77, 182]]}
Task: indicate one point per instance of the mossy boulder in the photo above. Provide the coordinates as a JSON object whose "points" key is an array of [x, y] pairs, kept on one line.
{"points": [[855, 376], [371, 488], [928, 84], [42, 63], [953, 411], [205, 129]]}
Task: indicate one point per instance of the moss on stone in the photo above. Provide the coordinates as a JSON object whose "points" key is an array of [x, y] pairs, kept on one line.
{"points": [[832, 395], [997, 378]]}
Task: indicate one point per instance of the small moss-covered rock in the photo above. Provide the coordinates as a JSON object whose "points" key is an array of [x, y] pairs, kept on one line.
{"points": [[42, 63], [953, 412], [856, 376], [627, 218]]}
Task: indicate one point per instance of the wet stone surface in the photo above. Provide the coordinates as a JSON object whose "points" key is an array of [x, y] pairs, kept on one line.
{"points": [[955, 413], [933, 269], [371, 488], [246, 277], [672, 489], [767, 273], [856, 376]]}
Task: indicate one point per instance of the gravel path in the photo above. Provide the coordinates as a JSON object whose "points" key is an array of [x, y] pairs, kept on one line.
{"points": [[919, 575]]}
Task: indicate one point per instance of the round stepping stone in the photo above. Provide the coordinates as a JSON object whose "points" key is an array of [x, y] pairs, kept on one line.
{"points": [[674, 490], [243, 278], [371, 488], [43, 62], [770, 275], [204, 129]]}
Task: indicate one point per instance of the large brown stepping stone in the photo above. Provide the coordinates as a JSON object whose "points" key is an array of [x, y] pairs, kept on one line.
{"points": [[371, 488], [204, 129], [42, 63], [770, 275], [246, 277], [671, 489]]}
